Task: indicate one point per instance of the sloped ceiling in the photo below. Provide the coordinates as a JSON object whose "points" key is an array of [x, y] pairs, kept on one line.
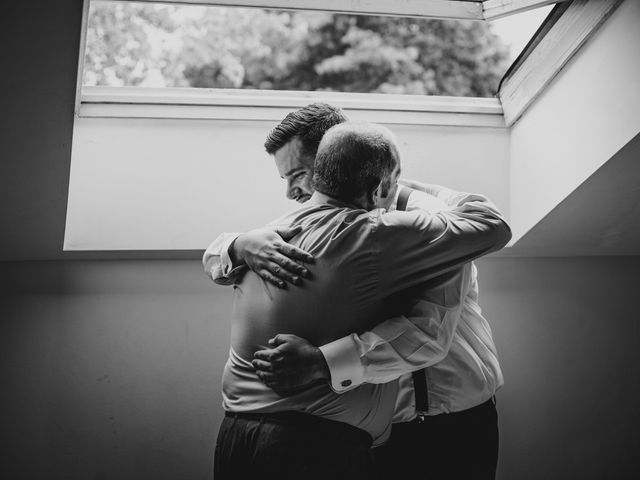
{"points": [[600, 217]]}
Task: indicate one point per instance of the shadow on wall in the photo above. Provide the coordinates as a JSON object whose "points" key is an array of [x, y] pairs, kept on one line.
{"points": [[569, 343], [114, 367]]}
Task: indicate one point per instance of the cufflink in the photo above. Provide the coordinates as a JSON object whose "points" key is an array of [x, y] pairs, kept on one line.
{"points": [[345, 383]]}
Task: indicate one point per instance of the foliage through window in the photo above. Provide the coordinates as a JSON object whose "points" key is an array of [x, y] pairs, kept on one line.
{"points": [[158, 45]]}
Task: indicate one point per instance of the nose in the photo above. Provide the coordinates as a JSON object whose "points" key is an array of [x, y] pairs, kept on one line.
{"points": [[292, 192]]}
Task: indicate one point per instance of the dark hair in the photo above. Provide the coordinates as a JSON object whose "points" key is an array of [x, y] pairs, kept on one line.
{"points": [[307, 123], [353, 158]]}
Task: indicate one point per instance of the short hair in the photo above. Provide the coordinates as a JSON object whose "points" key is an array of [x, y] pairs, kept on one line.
{"points": [[353, 158], [307, 123]]}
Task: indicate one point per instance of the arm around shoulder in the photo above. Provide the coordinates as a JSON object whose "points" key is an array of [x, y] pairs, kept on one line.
{"points": [[416, 246], [218, 263]]}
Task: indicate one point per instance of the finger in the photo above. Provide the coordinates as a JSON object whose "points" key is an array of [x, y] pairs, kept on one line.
{"points": [[290, 266], [295, 253], [265, 377], [271, 278], [268, 355], [278, 340], [282, 274], [262, 366], [269, 380], [288, 233]]}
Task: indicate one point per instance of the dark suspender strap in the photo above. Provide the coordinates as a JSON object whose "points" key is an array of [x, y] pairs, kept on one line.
{"points": [[420, 390], [403, 198], [419, 376]]}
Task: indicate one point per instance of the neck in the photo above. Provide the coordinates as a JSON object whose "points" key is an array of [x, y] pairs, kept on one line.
{"points": [[319, 197]]}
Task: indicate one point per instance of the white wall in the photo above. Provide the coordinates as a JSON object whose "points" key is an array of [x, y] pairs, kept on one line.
{"points": [[174, 184], [588, 113]]}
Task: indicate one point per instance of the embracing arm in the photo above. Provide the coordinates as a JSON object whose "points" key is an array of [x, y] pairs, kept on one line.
{"points": [[217, 262], [263, 250], [416, 246], [394, 347], [404, 343], [424, 245], [401, 344]]}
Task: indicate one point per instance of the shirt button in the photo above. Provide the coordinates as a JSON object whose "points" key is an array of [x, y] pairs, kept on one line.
{"points": [[345, 383]]}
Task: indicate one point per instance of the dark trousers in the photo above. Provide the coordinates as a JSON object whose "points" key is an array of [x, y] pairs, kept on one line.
{"points": [[291, 445], [461, 445]]}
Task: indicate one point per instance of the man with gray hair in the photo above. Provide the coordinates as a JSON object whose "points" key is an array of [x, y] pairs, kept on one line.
{"points": [[366, 263]]}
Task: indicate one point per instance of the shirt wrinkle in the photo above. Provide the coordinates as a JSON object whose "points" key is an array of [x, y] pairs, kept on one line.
{"points": [[464, 377]]}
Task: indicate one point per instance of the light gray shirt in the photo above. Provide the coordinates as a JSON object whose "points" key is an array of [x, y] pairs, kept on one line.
{"points": [[366, 263]]}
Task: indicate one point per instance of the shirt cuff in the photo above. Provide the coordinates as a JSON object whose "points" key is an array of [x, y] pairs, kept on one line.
{"points": [[344, 364], [226, 265]]}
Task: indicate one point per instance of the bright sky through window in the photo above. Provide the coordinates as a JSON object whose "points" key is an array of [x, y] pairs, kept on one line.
{"points": [[159, 45], [516, 30]]}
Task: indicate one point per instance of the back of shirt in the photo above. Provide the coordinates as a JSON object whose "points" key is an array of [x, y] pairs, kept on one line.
{"points": [[365, 263], [341, 297]]}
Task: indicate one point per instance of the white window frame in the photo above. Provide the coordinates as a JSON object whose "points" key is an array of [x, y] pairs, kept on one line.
{"points": [[543, 60], [273, 105], [465, 9]]}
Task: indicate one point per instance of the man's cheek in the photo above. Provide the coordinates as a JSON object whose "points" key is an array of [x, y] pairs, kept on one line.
{"points": [[308, 185]]}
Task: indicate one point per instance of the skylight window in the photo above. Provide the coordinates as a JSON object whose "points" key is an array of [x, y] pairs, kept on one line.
{"points": [[516, 31], [157, 45]]}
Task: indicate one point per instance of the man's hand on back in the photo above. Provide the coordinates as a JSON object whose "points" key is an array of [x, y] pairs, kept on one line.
{"points": [[267, 253], [291, 363]]}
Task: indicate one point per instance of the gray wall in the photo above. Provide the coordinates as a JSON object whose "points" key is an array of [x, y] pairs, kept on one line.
{"points": [[113, 368], [39, 44], [569, 341]]}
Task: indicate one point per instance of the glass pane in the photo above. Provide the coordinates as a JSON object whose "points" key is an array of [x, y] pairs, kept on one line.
{"points": [[159, 45], [515, 31]]}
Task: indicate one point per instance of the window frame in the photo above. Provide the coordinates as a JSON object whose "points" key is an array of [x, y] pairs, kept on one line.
{"points": [[567, 28], [513, 98], [271, 105]]}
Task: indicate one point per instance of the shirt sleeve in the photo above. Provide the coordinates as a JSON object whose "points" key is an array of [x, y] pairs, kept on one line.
{"points": [[402, 344], [217, 261], [344, 362], [416, 246], [422, 337]]}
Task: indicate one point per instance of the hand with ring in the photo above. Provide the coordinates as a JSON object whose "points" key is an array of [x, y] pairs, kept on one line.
{"points": [[267, 253]]}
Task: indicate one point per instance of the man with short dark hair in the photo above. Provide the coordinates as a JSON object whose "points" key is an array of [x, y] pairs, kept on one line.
{"points": [[294, 143], [365, 261]]}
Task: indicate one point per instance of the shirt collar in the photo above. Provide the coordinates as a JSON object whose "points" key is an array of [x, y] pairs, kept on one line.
{"points": [[319, 198]]}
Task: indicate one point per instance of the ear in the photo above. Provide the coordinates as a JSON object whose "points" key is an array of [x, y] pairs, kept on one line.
{"points": [[376, 194]]}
